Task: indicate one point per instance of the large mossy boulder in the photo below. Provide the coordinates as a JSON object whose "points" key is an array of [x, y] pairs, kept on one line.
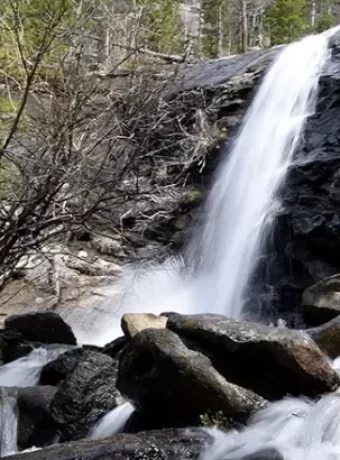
{"points": [[163, 376], [271, 361]]}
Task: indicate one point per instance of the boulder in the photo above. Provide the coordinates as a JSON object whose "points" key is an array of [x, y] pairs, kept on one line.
{"points": [[132, 323], [57, 370], [163, 376], [321, 302], [327, 337], [86, 394], [35, 424], [272, 361], [44, 327], [152, 445]]}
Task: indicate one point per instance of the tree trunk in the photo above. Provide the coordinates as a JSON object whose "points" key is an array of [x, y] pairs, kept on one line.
{"points": [[244, 27]]}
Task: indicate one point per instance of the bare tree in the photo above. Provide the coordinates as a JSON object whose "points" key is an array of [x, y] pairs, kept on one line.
{"points": [[83, 146]]}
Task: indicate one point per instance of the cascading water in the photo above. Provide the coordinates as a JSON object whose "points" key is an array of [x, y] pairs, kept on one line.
{"points": [[8, 424], [113, 422], [25, 371], [243, 202], [297, 429]]}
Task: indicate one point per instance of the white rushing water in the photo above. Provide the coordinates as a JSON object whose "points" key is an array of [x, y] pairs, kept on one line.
{"points": [[113, 422], [25, 372], [8, 424], [299, 429], [243, 202]]}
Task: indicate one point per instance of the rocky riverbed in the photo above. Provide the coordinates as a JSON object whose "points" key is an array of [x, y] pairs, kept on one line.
{"points": [[176, 371]]}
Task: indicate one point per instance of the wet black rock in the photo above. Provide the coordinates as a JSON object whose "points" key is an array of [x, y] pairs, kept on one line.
{"points": [[56, 371], [86, 394], [153, 445], [13, 346], [44, 327], [35, 424], [163, 376], [271, 361]]}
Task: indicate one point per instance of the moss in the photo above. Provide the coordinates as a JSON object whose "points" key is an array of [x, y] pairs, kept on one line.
{"points": [[223, 133], [217, 419], [193, 197], [9, 175]]}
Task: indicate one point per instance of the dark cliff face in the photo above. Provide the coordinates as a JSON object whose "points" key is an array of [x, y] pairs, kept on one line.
{"points": [[305, 246]]}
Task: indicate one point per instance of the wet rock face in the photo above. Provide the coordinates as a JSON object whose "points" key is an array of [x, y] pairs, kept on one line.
{"points": [[271, 361], [162, 375], [86, 394], [44, 327]]}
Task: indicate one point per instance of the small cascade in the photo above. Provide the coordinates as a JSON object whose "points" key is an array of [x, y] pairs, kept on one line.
{"points": [[25, 371], [8, 424], [297, 428], [113, 422]]}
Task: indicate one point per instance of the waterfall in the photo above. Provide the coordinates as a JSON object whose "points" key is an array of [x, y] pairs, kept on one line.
{"points": [[240, 209], [243, 201], [8, 424]]}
